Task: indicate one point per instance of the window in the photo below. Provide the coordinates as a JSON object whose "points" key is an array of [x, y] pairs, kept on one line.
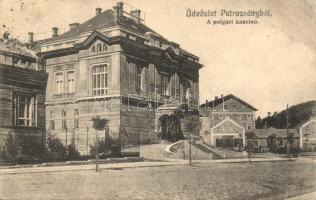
{"points": [[51, 114], [64, 124], [52, 124], [93, 49], [239, 116], [248, 117], [139, 79], [25, 110], [70, 81], [235, 107], [99, 47], [63, 113], [105, 47], [128, 74], [249, 126], [76, 123], [100, 79], [164, 84], [76, 111], [59, 87], [225, 107]]}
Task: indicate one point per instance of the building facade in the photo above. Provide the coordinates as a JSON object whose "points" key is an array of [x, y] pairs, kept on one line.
{"points": [[276, 140], [22, 96], [307, 134], [226, 120], [115, 67]]}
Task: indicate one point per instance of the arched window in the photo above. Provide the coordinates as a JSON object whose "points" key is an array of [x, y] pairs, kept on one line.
{"points": [[93, 49], [105, 47], [99, 48]]}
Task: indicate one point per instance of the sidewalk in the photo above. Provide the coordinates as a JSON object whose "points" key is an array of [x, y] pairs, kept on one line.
{"points": [[37, 169], [91, 166], [308, 196]]}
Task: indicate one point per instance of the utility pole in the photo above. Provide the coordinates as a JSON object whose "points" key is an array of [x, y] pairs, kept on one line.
{"points": [[87, 146], [66, 142], [287, 132], [190, 151]]}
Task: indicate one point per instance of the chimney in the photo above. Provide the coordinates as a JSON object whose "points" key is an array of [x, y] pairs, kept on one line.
{"points": [[31, 38], [98, 11], [55, 31], [136, 15], [73, 25], [119, 6]]}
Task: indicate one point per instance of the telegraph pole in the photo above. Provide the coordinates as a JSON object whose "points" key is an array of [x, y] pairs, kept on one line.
{"points": [[287, 132], [87, 146], [190, 151]]}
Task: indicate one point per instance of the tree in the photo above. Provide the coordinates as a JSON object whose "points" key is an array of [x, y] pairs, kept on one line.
{"points": [[258, 122], [250, 137], [272, 143], [99, 125], [9, 151], [290, 141]]}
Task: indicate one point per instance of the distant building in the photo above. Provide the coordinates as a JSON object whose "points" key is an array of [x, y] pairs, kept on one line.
{"points": [[116, 67], [307, 133], [22, 95], [225, 121], [272, 139]]}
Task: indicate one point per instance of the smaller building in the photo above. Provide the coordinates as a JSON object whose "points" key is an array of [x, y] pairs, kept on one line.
{"points": [[22, 95], [227, 133], [307, 133], [225, 121], [275, 140]]}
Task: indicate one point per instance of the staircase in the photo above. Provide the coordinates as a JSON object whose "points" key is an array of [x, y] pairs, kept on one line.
{"points": [[223, 153], [218, 153]]}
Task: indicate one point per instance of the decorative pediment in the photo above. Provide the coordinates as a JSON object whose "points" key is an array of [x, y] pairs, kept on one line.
{"points": [[96, 42], [98, 46], [170, 53]]}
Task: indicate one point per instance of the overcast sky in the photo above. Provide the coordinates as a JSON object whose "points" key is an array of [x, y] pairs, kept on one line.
{"points": [[268, 64]]}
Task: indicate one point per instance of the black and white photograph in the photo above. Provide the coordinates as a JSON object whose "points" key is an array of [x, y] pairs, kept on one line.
{"points": [[157, 100]]}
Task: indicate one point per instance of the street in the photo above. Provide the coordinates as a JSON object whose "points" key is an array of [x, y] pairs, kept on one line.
{"points": [[262, 180]]}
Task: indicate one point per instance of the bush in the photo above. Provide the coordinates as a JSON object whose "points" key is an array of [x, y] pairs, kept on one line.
{"points": [[108, 146], [8, 152], [56, 149], [73, 154]]}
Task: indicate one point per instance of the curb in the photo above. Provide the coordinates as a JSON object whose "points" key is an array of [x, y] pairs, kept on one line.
{"points": [[72, 163]]}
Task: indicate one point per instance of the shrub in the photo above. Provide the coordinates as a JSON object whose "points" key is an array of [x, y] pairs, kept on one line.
{"points": [[73, 154]]}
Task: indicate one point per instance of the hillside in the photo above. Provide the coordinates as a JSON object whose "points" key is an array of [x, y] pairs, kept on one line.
{"points": [[297, 114]]}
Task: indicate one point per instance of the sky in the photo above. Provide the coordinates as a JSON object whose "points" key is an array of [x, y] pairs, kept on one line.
{"points": [[269, 64]]}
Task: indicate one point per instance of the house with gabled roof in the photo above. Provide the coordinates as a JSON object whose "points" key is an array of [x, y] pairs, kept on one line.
{"points": [[116, 67], [224, 121], [307, 134]]}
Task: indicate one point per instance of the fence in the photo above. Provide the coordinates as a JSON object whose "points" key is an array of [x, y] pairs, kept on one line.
{"points": [[65, 144]]}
